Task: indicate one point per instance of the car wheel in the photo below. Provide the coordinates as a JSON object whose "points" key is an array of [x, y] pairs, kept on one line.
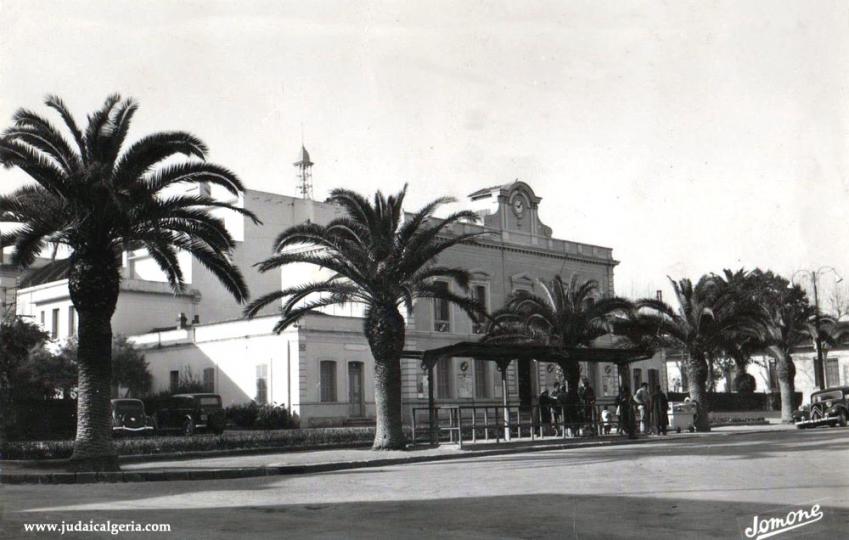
{"points": [[678, 429], [188, 427], [842, 419]]}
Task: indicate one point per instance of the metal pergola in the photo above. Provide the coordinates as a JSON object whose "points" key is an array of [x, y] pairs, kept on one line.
{"points": [[504, 354]]}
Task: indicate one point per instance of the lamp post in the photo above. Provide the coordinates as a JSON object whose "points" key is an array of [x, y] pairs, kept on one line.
{"points": [[819, 361]]}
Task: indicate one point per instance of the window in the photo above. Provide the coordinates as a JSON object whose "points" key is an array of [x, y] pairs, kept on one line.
{"points": [[482, 379], [479, 294], [72, 321], [441, 310], [43, 319], [443, 378], [832, 373], [328, 381], [261, 384], [638, 378], [54, 324], [209, 379], [174, 378]]}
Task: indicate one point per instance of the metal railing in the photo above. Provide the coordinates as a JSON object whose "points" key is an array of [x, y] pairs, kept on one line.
{"points": [[471, 423]]}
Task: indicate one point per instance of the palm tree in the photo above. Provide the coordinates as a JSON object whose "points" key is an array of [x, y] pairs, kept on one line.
{"points": [[97, 201], [383, 261], [790, 317], [563, 315], [740, 345], [705, 317]]}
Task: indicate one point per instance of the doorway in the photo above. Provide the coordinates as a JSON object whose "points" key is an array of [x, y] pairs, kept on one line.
{"points": [[356, 394]]}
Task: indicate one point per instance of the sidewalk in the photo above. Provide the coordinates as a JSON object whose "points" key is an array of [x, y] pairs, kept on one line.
{"points": [[305, 462]]}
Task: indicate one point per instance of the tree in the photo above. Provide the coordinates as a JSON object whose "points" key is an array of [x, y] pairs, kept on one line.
{"points": [[129, 369], [381, 260], [58, 372], [792, 322], [47, 374], [19, 338], [740, 344], [96, 201], [563, 315], [706, 315]]}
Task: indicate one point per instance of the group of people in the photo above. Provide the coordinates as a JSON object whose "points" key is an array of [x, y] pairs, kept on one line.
{"points": [[643, 411], [576, 409]]}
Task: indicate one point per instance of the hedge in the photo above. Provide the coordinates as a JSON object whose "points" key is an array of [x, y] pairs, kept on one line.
{"points": [[290, 439], [733, 401]]}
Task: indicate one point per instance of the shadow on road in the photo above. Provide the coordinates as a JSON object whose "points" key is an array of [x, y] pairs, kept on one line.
{"points": [[541, 515]]}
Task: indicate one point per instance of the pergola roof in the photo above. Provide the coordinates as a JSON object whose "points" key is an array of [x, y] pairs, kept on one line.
{"points": [[498, 352]]}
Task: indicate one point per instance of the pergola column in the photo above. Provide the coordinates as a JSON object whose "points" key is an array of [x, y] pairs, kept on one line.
{"points": [[431, 405], [503, 366]]}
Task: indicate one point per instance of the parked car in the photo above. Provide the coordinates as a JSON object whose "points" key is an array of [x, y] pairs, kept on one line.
{"points": [[128, 417], [189, 413], [828, 407]]}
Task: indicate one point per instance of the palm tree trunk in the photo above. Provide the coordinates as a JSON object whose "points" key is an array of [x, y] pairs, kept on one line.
{"points": [[697, 372], [786, 379], [384, 329], [93, 282]]}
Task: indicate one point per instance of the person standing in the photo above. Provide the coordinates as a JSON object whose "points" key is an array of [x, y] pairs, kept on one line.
{"points": [[660, 404], [642, 400], [589, 404], [626, 413]]}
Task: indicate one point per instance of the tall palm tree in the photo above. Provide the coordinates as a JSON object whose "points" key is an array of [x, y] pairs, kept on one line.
{"points": [[381, 260], [97, 201], [564, 315], [790, 317], [705, 316]]}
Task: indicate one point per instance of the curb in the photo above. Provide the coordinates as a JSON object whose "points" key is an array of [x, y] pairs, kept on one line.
{"points": [[286, 470]]}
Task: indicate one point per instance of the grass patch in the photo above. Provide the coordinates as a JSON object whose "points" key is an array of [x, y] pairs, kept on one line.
{"points": [[239, 440]]}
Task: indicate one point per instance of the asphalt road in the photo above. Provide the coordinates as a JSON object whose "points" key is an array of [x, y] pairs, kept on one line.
{"points": [[712, 487]]}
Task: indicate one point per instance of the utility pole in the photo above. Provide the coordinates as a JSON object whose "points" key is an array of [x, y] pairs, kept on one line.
{"points": [[819, 375]]}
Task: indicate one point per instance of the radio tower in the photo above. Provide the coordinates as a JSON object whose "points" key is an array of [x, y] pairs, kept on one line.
{"points": [[304, 174]]}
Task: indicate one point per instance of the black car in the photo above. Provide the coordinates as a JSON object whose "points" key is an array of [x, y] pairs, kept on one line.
{"points": [[188, 413], [828, 407], [129, 418]]}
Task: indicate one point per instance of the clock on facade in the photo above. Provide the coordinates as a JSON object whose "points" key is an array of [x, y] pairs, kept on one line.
{"points": [[519, 204]]}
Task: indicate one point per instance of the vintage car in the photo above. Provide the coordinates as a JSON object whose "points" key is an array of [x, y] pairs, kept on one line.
{"points": [[129, 418], [189, 413], [828, 407]]}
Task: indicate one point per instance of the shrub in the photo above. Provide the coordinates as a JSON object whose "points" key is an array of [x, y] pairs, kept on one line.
{"points": [[243, 416], [253, 416], [292, 439], [745, 383], [274, 417]]}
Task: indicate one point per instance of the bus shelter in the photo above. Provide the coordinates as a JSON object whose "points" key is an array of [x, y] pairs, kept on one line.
{"points": [[503, 354]]}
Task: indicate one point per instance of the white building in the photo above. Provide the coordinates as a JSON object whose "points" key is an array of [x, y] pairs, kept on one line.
{"points": [[322, 367]]}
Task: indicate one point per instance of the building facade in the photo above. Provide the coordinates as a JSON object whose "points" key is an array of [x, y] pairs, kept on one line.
{"points": [[322, 368]]}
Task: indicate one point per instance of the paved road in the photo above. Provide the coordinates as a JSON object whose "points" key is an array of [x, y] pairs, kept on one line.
{"points": [[710, 487]]}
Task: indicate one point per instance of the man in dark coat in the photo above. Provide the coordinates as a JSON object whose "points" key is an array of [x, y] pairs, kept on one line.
{"points": [[626, 413], [660, 405]]}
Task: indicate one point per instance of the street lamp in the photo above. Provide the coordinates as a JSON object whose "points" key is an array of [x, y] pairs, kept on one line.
{"points": [[819, 372]]}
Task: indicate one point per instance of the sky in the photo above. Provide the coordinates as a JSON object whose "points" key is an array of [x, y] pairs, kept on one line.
{"points": [[688, 136]]}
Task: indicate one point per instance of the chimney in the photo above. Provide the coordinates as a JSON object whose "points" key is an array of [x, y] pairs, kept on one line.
{"points": [[659, 295]]}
